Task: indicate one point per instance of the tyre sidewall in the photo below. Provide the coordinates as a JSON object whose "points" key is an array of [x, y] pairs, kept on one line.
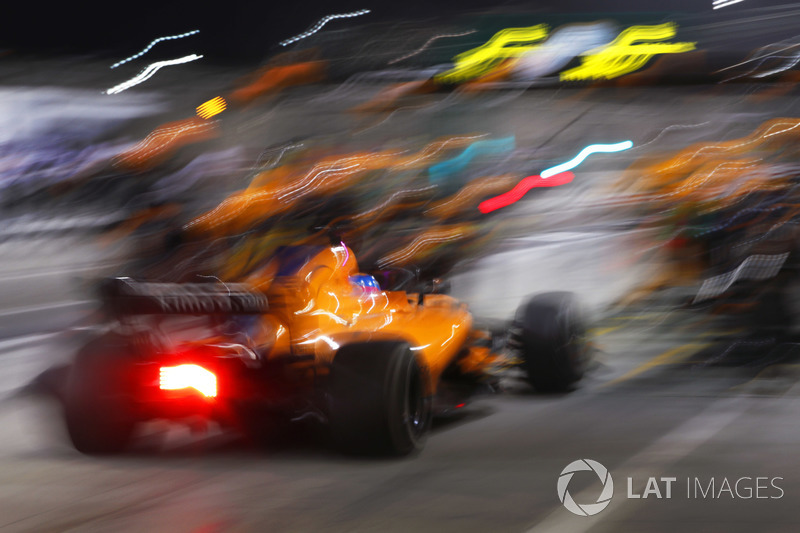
{"points": [[552, 337], [367, 399], [98, 404]]}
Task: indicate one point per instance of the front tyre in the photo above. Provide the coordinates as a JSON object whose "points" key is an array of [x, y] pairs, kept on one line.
{"points": [[378, 400], [550, 332]]}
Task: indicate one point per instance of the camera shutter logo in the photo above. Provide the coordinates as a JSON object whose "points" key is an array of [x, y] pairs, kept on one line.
{"points": [[603, 500]]}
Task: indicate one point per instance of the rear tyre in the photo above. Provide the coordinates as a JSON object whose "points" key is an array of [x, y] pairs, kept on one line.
{"points": [[550, 333], [378, 404], [98, 402]]}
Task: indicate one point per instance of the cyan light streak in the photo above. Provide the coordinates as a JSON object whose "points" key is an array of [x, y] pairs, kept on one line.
{"points": [[152, 44], [578, 159], [489, 146]]}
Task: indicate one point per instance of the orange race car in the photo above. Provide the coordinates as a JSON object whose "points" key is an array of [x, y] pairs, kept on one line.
{"points": [[306, 336]]}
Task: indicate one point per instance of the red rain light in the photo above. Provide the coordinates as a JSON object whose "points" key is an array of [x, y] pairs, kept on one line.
{"points": [[188, 377], [519, 190]]}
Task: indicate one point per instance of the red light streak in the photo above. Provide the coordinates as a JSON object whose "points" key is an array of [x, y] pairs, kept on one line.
{"points": [[521, 188]]}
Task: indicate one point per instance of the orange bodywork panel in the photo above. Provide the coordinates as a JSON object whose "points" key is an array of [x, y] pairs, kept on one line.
{"points": [[476, 360], [317, 309]]}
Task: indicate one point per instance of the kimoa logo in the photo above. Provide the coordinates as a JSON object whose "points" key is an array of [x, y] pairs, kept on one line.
{"points": [[603, 500]]}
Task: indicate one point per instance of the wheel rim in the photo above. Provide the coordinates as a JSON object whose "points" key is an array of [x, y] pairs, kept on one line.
{"points": [[415, 417]]}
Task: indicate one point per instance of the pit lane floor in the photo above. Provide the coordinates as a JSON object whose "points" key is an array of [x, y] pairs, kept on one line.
{"points": [[667, 397]]}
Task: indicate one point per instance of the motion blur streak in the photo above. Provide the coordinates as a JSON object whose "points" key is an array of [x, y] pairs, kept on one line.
{"points": [[318, 26], [152, 44], [692, 157], [247, 207], [722, 3], [523, 187], [723, 174], [552, 177], [795, 59], [755, 267], [463, 199], [391, 205], [623, 55], [389, 97], [425, 243], [165, 140], [490, 146], [764, 56], [213, 107], [510, 42], [148, 72], [433, 149], [578, 159], [561, 47], [271, 80], [428, 43]]}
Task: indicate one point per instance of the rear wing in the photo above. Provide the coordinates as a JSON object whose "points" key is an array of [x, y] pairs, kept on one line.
{"points": [[126, 296]]}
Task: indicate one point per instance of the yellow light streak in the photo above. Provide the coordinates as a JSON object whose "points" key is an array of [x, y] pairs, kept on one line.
{"points": [[625, 54], [215, 106], [510, 42]]}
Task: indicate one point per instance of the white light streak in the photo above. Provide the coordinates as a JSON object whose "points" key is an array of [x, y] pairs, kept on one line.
{"points": [[324, 338], [723, 3], [318, 26], [578, 159], [755, 267], [428, 42], [152, 44], [149, 71], [769, 55], [789, 65]]}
